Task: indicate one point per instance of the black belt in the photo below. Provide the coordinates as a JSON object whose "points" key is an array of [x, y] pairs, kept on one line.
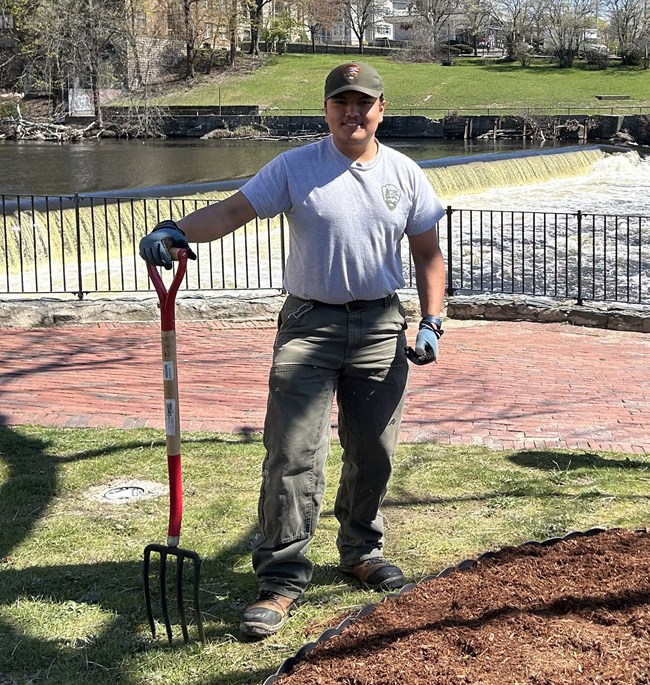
{"points": [[355, 305]]}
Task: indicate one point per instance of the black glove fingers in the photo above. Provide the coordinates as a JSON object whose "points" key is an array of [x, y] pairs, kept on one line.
{"points": [[164, 258]]}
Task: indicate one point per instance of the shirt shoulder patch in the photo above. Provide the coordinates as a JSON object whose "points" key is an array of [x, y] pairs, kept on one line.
{"points": [[392, 195]]}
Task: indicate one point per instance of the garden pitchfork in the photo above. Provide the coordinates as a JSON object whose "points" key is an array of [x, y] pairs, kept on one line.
{"points": [[173, 440]]}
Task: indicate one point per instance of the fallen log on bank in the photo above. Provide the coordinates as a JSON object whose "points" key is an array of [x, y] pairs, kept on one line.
{"points": [[24, 129]]}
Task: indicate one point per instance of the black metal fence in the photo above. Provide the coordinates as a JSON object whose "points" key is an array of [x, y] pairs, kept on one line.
{"points": [[88, 245]]}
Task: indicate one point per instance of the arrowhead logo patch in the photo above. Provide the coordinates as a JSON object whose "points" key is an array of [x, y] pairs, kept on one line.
{"points": [[392, 195]]}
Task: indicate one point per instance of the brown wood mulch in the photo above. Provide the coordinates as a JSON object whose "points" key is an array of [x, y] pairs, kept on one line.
{"points": [[577, 611]]}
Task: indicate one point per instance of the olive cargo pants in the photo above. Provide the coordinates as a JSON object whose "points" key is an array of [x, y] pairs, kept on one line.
{"points": [[356, 353]]}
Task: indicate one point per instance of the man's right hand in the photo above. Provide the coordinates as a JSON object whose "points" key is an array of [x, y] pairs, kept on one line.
{"points": [[153, 247]]}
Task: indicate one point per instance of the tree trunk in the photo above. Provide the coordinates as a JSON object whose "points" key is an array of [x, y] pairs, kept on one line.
{"points": [[96, 97], [189, 39], [256, 22], [208, 69], [189, 57], [232, 54]]}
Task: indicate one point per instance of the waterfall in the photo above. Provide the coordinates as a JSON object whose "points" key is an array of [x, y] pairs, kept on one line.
{"points": [[469, 175], [37, 231]]}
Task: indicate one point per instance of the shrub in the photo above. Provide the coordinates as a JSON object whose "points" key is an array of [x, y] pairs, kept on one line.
{"points": [[597, 58], [464, 49]]}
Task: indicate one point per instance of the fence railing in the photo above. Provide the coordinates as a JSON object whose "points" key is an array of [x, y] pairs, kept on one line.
{"points": [[88, 245], [629, 109], [572, 255]]}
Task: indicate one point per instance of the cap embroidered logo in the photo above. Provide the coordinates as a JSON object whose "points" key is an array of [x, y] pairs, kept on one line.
{"points": [[351, 72]]}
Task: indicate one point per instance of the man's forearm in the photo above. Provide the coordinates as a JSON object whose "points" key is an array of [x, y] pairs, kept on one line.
{"points": [[430, 283], [218, 219]]}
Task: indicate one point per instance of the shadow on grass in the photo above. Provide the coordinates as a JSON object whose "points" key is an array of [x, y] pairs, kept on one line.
{"points": [[563, 461], [30, 483], [544, 460]]}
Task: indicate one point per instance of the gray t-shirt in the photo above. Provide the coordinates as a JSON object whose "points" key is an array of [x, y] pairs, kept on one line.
{"points": [[346, 219]]}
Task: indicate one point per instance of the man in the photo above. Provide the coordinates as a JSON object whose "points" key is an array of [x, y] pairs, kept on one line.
{"points": [[348, 201]]}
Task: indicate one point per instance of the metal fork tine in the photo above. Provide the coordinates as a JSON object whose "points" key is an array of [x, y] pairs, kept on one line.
{"points": [[179, 596], [197, 605], [163, 593], [147, 590], [181, 555]]}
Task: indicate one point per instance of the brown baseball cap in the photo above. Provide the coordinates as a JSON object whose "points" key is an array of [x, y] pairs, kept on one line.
{"points": [[357, 76]]}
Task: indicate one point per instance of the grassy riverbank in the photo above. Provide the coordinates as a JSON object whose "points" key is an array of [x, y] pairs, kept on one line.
{"points": [[296, 82]]}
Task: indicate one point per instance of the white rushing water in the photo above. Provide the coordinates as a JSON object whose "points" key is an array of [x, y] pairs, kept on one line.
{"points": [[618, 184], [615, 237]]}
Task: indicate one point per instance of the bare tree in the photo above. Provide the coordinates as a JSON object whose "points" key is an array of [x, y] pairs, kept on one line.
{"points": [[19, 43], [256, 16], [478, 16], [631, 27], [319, 15], [233, 30], [79, 40], [217, 25], [189, 30], [566, 23], [516, 18], [361, 15], [436, 14], [196, 15]]}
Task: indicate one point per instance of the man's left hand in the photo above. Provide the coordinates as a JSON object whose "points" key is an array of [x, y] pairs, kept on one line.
{"points": [[426, 344]]}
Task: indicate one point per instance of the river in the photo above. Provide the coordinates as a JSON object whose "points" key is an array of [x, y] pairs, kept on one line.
{"points": [[94, 166], [619, 184]]}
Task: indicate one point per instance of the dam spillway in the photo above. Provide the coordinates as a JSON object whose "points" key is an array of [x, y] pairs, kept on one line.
{"points": [[45, 238], [452, 177]]}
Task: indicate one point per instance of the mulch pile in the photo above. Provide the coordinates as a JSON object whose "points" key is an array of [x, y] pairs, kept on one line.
{"points": [[577, 611]]}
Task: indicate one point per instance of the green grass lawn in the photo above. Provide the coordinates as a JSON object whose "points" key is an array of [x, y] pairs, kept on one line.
{"points": [[71, 604], [296, 82]]}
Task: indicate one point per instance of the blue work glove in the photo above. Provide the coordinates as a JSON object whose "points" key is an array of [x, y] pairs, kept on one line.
{"points": [[426, 342], [153, 247]]}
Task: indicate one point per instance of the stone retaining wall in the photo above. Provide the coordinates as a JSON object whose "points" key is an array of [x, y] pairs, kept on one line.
{"points": [[597, 127], [264, 306]]}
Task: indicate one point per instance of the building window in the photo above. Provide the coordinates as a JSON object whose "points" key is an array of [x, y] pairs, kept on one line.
{"points": [[208, 31]]}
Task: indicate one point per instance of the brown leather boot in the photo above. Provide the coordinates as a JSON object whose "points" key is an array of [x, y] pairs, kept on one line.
{"points": [[267, 614], [376, 574]]}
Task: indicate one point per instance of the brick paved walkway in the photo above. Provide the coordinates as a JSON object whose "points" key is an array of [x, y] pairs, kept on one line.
{"points": [[500, 384]]}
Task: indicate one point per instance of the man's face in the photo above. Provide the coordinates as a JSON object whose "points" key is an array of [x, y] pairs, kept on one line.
{"points": [[353, 119]]}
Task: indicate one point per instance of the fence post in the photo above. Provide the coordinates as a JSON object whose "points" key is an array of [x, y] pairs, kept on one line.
{"points": [[579, 215], [450, 280], [77, 219]]}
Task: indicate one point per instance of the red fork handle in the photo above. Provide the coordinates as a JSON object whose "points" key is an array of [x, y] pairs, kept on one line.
{"points": [[175, 499], [170, 389], [168, 298]]}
